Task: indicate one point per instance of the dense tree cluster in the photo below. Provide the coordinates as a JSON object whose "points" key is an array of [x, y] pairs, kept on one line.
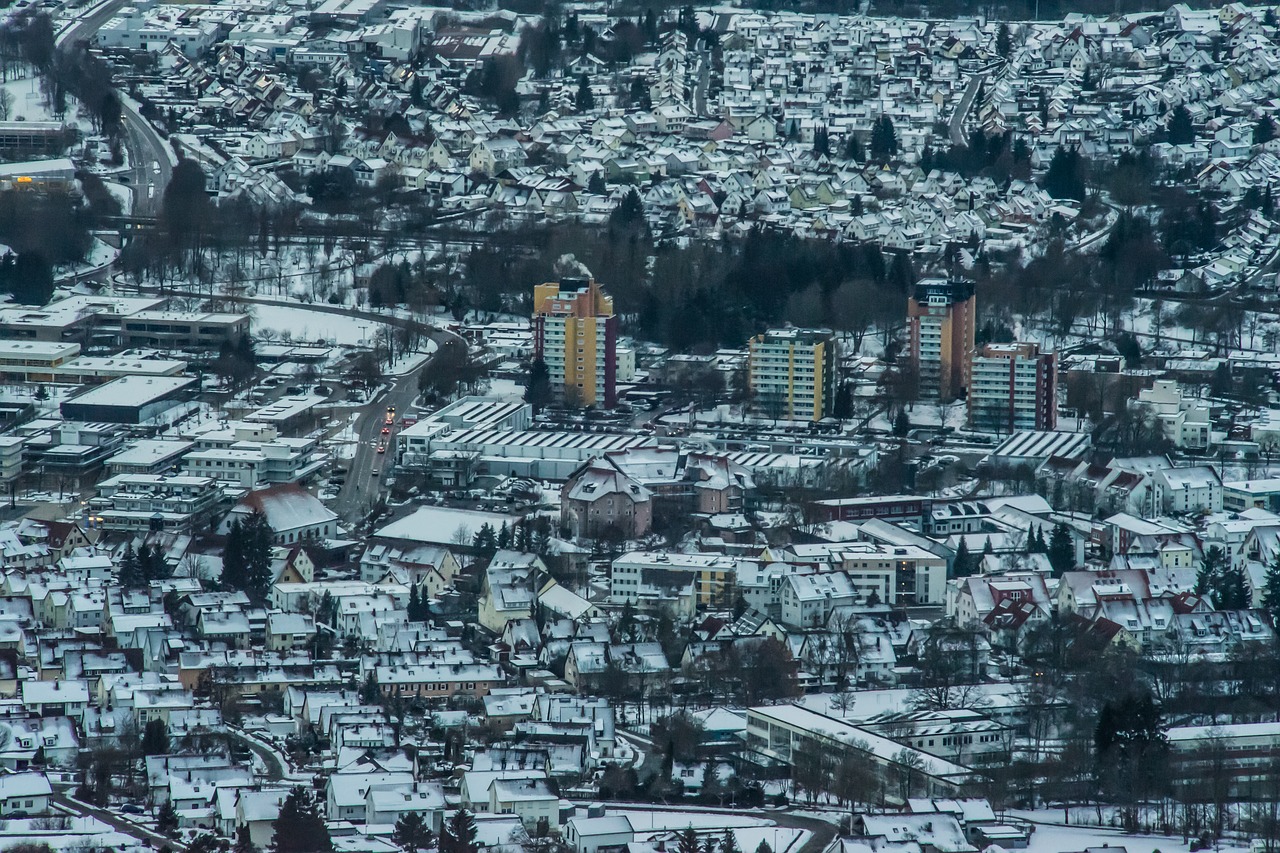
{"points": [[139, 568], [246, 558]]}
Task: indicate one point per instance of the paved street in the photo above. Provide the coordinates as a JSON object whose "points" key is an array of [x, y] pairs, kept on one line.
{"points": [[150, 167], [363, 486], [955, 127], [117, 823]]}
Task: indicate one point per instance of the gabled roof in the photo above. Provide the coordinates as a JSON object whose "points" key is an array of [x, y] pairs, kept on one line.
{"points": [[287, 507]]}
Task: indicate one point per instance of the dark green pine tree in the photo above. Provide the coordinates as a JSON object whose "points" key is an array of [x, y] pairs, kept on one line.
{"points": [[884, 139], [1271, 591], [244, 841], [1182, 130], [853, 149], [300, 827], [1264, 131], [1215, 559], [153, 563], [538, 392], [688, 842], [246, 558], [962, 565], [728, 842], [155, 738], [485, 540], [584, 101], [370, 691], [1062, 554], [1065, 175], [131, 575], [1232, 591], [167, 820], [412, 833], [901, 424], [1004, 42], [459, 834]]}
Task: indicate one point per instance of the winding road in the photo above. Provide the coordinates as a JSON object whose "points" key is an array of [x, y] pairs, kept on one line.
{"points": [[361, 489], [150, 158]]}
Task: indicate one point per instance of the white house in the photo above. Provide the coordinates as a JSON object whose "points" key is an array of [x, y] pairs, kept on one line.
{"points": [[807, 600], [24, 793], [588, 835], [1197, 489], [531, 800]]}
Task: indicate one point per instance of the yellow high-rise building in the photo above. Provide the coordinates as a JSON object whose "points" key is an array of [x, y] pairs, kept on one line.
{"points": [[575, 333]]}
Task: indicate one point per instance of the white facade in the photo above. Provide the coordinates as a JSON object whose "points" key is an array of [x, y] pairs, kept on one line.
{"points": [[1186, 422], [1005, 386]]}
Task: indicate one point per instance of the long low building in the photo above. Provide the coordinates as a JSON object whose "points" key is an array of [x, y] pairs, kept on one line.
{"points": [[60, 362], [514, 453], [1244, 751], [34, 361], [129, 399], [776, 733]]}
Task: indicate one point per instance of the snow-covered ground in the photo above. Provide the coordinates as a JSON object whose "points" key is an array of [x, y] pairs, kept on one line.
{"points": [[28, 101], [123, 194], [100, 254], [645, 821], [300, 325], [782, 839], [343, 443], [411, 362], [507, 389], [1056, 839], [82, 833]]}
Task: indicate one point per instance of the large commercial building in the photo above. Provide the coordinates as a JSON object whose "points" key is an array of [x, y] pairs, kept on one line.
{"points": [[575, 333], [191, 330], [1013, 387], [150, 502], [940, 317], [129, 399], [80, 318], [777, 734], [792, 374]]}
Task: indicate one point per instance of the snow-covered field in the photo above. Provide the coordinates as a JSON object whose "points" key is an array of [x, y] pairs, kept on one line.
{"points": [[301, 325], [1056, 839], [28, 102]]}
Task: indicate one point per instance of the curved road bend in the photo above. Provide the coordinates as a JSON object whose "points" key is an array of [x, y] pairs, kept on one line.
{"points": [[149, 154]]}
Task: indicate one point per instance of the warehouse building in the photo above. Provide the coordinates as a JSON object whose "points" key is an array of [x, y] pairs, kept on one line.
{"points": [[129, 399]]}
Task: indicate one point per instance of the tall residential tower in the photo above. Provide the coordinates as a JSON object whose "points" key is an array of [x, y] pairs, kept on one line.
{"points": [[1013, 387], [575, 333], [792, 374], [941, 316]]}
